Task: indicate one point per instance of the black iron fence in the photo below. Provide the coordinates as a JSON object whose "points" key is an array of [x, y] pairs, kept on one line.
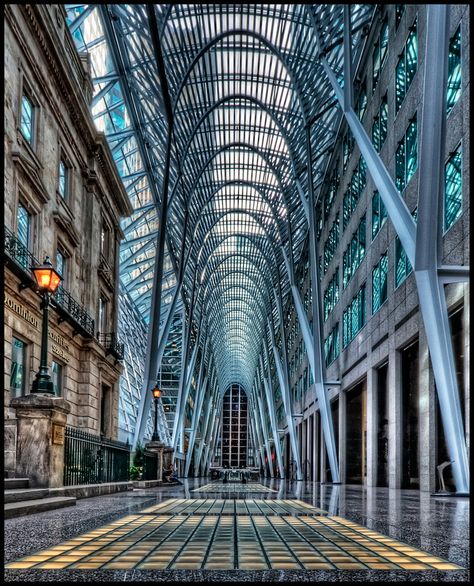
{"points": [[150, 465], [91, 459]]}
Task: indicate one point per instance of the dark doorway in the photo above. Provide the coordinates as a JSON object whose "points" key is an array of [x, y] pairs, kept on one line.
{"points": [[105, 411], [410, 416], [442, 455], [382, 425], [355, 435]]}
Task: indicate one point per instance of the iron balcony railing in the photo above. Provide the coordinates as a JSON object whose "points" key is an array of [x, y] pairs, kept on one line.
{"points": [[21, 261], [112, 345], [92, 459]]}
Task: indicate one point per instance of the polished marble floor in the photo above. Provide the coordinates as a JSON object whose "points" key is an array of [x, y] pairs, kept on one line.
{"points": [[302, 532]]}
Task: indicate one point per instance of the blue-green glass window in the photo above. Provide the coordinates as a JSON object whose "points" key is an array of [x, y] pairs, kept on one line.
{"points": [[411, 55], [380, 125], [402, 265], [406, 67], [379, 214], [411, 149], [379, 283], [331, 243], [454, 70], [18, 368], [23, 225], [400, 82], [453, 189], [347, 147], [399, 10], [27, 118], [63, 181], [331, 345], [406, 156], [331, 192], [362, 101], [379, 55], [353, 318], [352, 195], [354, 253], [331, 295], [57, 378]]}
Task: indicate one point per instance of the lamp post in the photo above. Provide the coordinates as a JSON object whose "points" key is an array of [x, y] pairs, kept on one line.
{"points": [[48, 280], [156, 395]]}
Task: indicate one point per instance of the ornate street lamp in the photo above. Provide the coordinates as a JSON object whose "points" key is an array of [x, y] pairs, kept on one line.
{"points": [[48, 280], [156, 395]]}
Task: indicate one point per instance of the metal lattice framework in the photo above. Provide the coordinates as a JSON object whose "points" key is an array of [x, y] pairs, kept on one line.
{"points": [[215, 113]]}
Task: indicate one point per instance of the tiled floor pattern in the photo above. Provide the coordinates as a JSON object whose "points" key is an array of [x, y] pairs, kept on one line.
{"points": [[229, 541], [233, 487], [234, 507]]}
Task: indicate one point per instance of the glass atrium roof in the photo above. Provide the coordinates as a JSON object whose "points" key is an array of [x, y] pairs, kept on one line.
{"points": [[244, 82]]}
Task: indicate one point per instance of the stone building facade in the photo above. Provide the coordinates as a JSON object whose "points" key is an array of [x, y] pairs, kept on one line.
{"points": [[385, 411], [63, 198]]}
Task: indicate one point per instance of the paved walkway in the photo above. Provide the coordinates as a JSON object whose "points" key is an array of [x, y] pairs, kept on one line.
{"points": [[307, 531]]}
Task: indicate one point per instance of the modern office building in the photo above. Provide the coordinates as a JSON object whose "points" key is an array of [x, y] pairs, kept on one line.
{"points": [[260, 215]]}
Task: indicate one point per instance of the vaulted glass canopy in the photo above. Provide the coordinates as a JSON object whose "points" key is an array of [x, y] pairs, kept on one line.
{"points": [[242, 84]]}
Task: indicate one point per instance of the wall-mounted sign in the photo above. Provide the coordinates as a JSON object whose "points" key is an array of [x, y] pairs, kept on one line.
{"points": [[59, 345], [20, 310], [58, 434]]}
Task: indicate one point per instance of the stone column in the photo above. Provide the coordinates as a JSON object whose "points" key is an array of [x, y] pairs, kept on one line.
{"points": [[342, 434], [395, 431], [372, 424], [157, 447], [40, 439]]}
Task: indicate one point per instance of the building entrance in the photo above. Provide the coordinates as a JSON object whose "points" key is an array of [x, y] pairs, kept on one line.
{"points": [[356, 435]]}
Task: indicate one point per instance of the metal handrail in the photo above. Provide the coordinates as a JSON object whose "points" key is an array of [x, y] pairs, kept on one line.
{"points": [[112, 344], [62, 299]]}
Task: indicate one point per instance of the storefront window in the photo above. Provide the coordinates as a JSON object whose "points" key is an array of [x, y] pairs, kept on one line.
{"points": [[18, 368], [57, 378]]}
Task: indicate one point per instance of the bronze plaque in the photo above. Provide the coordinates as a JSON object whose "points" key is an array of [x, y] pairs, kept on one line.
{"points": [[58, 434]]}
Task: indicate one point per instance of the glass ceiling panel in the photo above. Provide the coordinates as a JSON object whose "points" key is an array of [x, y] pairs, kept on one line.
{"points": [[244, 81]]}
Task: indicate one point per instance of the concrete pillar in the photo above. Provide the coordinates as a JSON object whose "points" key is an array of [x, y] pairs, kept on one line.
{"points": [[372, 425], [394, 420], [315, 447], [467, 372], [342, 436], [426, 417], [157, 447], [322, 456], [40, 439], [309, 448]]}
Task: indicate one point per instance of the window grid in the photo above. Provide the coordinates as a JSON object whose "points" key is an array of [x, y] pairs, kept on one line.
{"points": [[379, 283], [331, 243], [379, 55], [331, 345], [27, 118], [354, 191], [406, 67], [453, 189], [331, 295], [353, 319], [380, 125], [354, 253], [379, 214], [406, 156], [454, 70]]}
